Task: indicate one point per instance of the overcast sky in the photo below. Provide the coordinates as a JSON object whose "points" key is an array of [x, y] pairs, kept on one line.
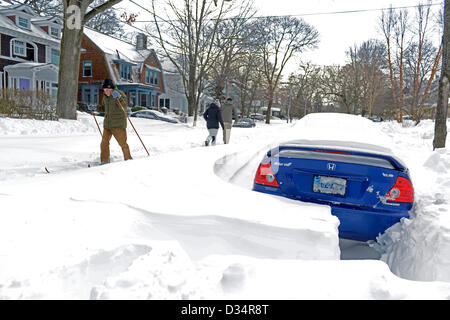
{"points": [[337, 31]]}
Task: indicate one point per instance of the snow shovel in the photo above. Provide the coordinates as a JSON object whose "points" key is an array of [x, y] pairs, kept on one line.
{"points": [[120, 104], [92, 108]]}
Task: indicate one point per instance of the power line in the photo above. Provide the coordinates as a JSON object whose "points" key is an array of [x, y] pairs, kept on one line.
{"points": [[309, 14]]}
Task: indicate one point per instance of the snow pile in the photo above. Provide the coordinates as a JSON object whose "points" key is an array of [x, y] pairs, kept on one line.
{"points": [[419, 248], [167, 273], [340, 127], [183, 224], [80, 228], [15, 127]]}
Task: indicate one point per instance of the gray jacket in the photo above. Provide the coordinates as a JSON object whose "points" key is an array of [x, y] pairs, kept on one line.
{"points": [[227, 112]]}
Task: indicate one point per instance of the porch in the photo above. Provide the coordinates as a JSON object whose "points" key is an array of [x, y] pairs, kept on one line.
{"points": [[33, 76]]}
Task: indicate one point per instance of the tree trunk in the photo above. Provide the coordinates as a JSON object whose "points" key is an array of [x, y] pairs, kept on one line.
{"points": [[69, 67], [269, 107], [427, 89], [440, 128], [391, 76]]}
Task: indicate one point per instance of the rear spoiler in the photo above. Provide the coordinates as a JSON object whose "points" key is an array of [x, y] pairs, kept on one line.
{"points": [[339, 154]]}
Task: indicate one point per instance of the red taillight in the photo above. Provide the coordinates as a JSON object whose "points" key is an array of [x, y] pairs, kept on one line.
{"points": [[402, 191], [331, 151], [265, 175]]}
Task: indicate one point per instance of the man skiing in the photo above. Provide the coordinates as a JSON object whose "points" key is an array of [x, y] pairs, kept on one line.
{"points": [[115, 121], [213, 117]]}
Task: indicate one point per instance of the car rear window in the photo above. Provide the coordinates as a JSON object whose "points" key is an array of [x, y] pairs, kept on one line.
{"points": [[347, 158]]}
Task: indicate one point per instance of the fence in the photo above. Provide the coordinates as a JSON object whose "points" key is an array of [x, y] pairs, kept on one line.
{"points": [[27, 104]]}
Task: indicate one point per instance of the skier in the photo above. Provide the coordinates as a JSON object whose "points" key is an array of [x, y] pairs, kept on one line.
{"points": [[115, 121], [213, 117]]}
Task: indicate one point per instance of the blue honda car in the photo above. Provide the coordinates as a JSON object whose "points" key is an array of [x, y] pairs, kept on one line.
{"points": [[366, 186]]}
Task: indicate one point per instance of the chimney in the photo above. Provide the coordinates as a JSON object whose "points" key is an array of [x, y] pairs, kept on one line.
{"points": [[141, 41]]}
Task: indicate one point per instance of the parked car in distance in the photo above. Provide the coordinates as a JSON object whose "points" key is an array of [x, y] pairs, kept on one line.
{"points": [[244, 123], [375, 119], [257, 116], [366, 186], [147, 114]]}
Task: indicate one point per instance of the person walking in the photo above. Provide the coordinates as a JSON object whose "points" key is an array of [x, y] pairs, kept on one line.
{"points": [[227, 113], [115, 121], [213, 116]]}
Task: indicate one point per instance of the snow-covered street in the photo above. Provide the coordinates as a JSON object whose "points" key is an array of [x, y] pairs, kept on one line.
{"points": [[184, 223]]}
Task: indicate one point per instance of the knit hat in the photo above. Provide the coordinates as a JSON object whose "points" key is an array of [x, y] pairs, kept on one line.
{"points": [[108, 84]]}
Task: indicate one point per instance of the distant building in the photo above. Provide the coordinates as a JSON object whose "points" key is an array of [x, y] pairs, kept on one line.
{"points": [[174, 97], [135, 69], [29, 49]]}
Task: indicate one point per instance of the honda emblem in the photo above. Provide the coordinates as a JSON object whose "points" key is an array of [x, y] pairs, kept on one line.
{"points": [[331, 166]]}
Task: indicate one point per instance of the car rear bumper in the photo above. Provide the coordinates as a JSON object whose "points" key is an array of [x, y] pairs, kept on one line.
{"points": [[355, 223], [364, 225]]}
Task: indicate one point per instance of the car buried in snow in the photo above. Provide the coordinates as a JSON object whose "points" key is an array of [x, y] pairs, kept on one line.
{"points": [[147, 114], [244, 123], [366, 186]]}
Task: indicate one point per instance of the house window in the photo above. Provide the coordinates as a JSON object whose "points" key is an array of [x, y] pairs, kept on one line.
{"points": [[54, 32], [23, 22], [125, 71], [151, 76], [19, 48], [55, 56], [87, 68], [147, 75], [164, 103], [144, 100]]}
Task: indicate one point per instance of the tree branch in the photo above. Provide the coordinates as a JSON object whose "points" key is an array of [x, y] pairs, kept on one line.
{"points": [[105, 6]]}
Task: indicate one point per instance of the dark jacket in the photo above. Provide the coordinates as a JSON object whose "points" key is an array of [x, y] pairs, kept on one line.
{"points": [[114, 115], [213, 117]]}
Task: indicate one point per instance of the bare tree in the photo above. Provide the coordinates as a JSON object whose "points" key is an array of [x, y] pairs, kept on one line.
{"points": [[46, 7], [76, 14], [247, 78], [400, 34], [388, 22], [423, 17], [306, 84], [367, 63], [230, 43], [440, 128], [186, 35], [278, 39]]}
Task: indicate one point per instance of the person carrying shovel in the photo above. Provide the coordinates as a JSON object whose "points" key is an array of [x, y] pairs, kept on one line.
{"points": [[115, 121]]}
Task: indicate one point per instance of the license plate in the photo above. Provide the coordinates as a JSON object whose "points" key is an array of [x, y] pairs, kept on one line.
{"points": [[329, 185]]}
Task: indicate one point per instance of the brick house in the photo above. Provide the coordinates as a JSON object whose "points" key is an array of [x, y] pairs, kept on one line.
{"points": [[29, 49], [135, 69]]}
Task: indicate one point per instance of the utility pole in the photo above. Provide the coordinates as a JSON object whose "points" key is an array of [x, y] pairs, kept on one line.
{"points": [[440, 125]]}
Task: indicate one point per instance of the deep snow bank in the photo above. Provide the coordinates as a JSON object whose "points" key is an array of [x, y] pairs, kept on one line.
{"points": [[419, 248], [77, 229]]}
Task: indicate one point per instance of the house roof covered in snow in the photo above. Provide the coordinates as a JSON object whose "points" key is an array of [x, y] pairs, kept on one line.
{"points": [[117, 48], [34, 31]]}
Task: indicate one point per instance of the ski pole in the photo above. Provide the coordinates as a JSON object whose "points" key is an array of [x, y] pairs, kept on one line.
{"points": [[92, 109], [120, 104], [97, 124]]}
